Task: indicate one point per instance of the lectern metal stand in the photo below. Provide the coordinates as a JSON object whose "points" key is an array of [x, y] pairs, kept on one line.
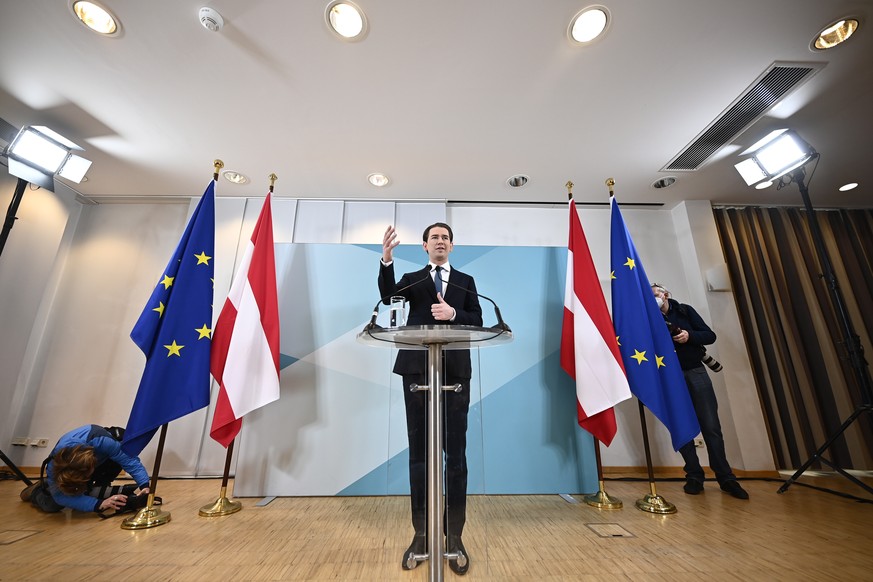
{"points": [[435, 338]]}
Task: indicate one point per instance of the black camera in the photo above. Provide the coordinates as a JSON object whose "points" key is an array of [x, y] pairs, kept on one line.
{"points": [[673, 328], [711, 362]]}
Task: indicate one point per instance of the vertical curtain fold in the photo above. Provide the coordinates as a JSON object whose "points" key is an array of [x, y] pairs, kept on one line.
{"points": [[793, 331]]}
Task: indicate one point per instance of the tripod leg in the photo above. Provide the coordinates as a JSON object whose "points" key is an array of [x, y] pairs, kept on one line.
{"points": [[15, 469], [823, 448]]}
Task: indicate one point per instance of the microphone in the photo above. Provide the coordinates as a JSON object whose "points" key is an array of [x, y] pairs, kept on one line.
{"points": [[372, 324], [500, 323]]}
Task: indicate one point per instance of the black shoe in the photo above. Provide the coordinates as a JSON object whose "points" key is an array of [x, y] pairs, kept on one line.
{"points": [[417, 547], [461, 564], [734, 489], [693, 487], [28, 491]]}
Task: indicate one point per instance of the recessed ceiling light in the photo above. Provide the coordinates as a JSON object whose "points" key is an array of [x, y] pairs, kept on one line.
{"points": [[847, 187], [378, 180], [346, 20], [834, 34], [518, 180], [588, 25], [96, 17], [235, 177], [764, 184], [664, 182]]}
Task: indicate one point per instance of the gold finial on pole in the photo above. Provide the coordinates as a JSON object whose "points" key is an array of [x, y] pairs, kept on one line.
{"points": [[273, 178], [610, 182], [569, 186], [218, 165]]}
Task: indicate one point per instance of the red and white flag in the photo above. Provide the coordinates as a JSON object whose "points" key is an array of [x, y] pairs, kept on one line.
{"points": [[589, 348], [245, 343]]}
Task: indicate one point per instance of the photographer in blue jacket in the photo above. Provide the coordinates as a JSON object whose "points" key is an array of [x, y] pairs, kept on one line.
{"points": [[80, 470]]}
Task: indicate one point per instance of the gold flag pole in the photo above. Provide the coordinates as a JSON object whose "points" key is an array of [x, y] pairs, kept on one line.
{"points": [[222, 505], [601, 499], [653, 503], [218, 164], [151, 516]]}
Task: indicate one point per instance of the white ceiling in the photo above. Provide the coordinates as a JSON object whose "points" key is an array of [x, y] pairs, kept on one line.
{"points": [[448, 98]]}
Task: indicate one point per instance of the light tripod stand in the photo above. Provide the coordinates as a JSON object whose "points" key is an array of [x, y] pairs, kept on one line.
{"points": [[851, 340]]}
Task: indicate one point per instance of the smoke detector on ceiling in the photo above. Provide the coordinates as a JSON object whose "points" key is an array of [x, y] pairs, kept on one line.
{"points": [[211, 19]]}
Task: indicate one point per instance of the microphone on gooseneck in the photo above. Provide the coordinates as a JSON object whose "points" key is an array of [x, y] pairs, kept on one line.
{"points": [[372, 324], [500, 323]]}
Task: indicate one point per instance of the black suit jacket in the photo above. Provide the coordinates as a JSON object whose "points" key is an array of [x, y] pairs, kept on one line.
{"points": [[460, 293]]}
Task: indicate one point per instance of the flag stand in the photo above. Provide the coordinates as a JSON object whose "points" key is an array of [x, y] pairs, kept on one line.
{"points": [[601, 499], [150, 516], [652, 503], [222, 505]]}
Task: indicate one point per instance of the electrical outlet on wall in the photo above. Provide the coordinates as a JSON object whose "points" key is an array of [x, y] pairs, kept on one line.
{"points": [[39, 442], [20, 441], [699, 443]]}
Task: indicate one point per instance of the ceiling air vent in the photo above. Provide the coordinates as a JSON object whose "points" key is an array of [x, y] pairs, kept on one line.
{"points": [[774, 84]]}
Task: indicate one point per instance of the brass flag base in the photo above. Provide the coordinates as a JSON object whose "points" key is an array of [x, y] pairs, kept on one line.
{"points": [[654, 503], [222, 506], [145, 518], [602, 500]]}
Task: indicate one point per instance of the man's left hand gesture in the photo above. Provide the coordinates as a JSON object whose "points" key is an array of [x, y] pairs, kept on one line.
{"points": [[442, 311]]}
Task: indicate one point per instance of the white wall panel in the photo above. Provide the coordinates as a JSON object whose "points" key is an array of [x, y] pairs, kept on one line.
{"points": [[411, 218], [365, 222], [319, 221]]}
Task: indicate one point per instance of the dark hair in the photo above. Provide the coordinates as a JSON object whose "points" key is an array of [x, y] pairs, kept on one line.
{"points": [[441, 225], [73, 467]]}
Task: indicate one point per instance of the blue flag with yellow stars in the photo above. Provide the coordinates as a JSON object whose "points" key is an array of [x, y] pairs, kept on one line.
{"points": [[174, 333], [645, 344]]}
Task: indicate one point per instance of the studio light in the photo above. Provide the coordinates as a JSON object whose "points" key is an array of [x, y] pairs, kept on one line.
{"points": [[37, 153], [782, 155], [780, 152], [35, 156]]}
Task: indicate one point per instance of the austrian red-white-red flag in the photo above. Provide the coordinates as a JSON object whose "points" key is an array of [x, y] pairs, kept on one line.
{"points": [[245, 343], [589, 348]]}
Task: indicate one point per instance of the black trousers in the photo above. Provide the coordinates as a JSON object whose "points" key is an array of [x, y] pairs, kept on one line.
{"points": [[454, 432]]}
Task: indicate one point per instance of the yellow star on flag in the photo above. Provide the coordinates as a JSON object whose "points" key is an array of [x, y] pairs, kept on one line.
{"points": [[630, 263], [174, 349], [202, 258], [659, 360], [167, 282], [204, 332], [612, 274], [639, 356], [616, 340], [159, 309]]}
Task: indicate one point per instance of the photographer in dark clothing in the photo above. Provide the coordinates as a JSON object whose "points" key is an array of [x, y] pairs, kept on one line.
{"points": [[690, 335]]}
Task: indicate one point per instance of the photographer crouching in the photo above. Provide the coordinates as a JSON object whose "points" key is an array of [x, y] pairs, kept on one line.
{"points": [[690, 336]]}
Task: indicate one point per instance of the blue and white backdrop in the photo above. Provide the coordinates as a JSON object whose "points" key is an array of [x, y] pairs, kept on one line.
{"points": [[339, 426]]}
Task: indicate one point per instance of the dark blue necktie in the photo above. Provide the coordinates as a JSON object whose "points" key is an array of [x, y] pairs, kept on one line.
{"points": [[438, 280]]}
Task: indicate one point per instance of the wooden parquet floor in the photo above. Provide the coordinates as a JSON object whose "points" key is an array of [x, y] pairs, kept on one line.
{"points": [[803, 534]]}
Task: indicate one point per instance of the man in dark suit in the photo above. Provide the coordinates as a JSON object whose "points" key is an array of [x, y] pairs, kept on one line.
{"points": [[449, 298]]}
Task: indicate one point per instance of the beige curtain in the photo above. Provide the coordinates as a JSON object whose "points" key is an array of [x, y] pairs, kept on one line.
{"points": [[794, 334]]}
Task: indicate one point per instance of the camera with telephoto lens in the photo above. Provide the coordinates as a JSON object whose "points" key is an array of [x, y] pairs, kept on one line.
{"points": [[711, 362]]}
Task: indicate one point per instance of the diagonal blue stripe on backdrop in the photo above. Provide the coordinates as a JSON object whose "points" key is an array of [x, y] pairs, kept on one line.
{"points": [[519, 457]]}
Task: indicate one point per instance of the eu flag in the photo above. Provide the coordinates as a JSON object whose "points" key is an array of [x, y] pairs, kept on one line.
{"points": [[644, 342], [174, 333]]}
